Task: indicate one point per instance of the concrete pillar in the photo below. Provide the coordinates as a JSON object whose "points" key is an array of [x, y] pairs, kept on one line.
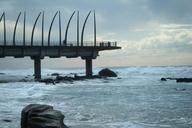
{"points": [[88, 65], [37, 68]]}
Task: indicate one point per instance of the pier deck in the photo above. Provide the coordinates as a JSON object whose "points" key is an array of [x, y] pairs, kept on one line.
{"points": [[69, 51]]}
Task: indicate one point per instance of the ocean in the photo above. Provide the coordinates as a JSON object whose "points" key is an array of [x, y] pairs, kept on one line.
{"points": [[137, 98]]}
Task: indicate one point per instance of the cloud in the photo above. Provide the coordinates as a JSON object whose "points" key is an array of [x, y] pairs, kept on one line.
{"points": [[171, 10], [163, 39], [165, 46], [177, 26]]}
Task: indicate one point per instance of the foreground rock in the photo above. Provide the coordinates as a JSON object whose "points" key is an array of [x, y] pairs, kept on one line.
{"points": [[41, 116], [107, 73], [178, 80]]}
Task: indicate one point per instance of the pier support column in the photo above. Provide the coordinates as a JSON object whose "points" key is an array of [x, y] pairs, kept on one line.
{"points": [[88, 65], [37, 68]]}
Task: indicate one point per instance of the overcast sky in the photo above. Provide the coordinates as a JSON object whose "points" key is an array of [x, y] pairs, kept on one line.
{"points": [[150, 32]]}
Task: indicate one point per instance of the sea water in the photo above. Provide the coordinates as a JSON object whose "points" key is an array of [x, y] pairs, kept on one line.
{"points": [[135, 99]]}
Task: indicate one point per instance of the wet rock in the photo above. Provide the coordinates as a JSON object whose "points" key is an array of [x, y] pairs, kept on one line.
{"points": [[6, 120], [47, 81], [178, 80], [178, 89], [3, 81], [69, 79], [64, 78], [55, 74], [184, 80], [41, 116], [163, 79], [107, 73]]}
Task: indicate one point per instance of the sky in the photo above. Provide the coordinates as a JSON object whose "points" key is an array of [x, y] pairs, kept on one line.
{"points": [[150, 32]]}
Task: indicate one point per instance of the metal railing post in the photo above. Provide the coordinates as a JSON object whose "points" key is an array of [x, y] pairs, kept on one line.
{"points": [[51, 28], [24, 20], [34, 28], [14, 32], [42, 38], [77, 28], [66, 32], [95, 40], [59, 28], [82, 33]]}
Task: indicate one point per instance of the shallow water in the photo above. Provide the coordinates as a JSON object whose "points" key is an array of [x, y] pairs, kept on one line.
{"points": [[137, 99]]}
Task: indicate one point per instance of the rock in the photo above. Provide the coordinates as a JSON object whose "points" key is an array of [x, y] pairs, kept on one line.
{"points": [[7, 120], [163, 79], [178, 80], [55, 74], [41, 116], [107, 73], [3, 81], [48, 81], [184, 80], [64, 78], [178, 89]]}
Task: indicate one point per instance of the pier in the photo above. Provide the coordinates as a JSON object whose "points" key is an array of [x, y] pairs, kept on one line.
{"points": [[37, 50]]}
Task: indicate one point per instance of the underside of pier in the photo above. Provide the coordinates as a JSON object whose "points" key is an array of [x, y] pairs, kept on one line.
{"points": [[37, 53]]}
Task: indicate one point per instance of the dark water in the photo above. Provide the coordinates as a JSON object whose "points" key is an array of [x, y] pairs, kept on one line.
{"points": [[138, 99]]}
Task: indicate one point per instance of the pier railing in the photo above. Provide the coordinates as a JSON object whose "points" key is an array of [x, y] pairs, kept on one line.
{"points": [[11, 41], [68, 44]]}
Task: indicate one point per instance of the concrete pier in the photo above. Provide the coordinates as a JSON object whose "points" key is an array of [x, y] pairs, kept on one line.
{"points": [[37, 50], [88, 67], [37, 68]]}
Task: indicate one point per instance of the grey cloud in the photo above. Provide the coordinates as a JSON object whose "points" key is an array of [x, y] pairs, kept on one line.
{"points": [[175, 11]]}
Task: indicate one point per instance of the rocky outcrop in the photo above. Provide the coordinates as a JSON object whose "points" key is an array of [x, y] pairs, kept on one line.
{"points": [[55, 74], [185, 80], [41, 116], [163, 79], [70, 79], [107, 73], [48, 81], [178, 80], [65, 78]]}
